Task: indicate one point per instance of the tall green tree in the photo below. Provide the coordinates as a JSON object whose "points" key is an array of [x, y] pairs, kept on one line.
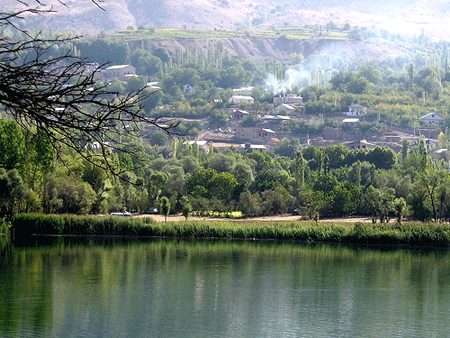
{"points": [[399, 207], [164, 207], [162, 53], [221, 162], [197, 184], [186, 207], [156, 184], [67, 194], [249, 204], [145, 62], [429, 181], [12, 193], [276, 201], [405, 148], [222, 185], [12, 145]]}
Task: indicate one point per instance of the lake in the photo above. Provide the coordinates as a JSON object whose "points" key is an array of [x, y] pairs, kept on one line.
{"points": [[103, 287]]}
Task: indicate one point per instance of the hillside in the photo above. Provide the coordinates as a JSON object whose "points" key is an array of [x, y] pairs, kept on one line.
{"points": [[282, 49], [84, 17]]}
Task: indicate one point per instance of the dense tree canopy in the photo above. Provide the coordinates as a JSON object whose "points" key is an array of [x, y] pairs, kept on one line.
{"points": [[51, 99]]}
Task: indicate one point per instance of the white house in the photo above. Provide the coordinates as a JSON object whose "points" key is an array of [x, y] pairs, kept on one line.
{"points": [[277, 118], [361, 144], [352, 122], [356, 110], [122, 72], [288, 99], [201, 144], [153, 85], [284, 106], [432, 118], [259, 147], [239, 99]]}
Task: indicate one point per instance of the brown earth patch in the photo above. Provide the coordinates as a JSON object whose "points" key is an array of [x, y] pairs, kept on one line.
{"points": [[277, 218]]}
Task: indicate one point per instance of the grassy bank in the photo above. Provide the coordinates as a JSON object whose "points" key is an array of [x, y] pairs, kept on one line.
{"points": [[416, 234]]}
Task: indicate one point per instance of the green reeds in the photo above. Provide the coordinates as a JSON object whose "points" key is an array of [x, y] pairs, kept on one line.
{"points": [[415, 234], [38, 224]]}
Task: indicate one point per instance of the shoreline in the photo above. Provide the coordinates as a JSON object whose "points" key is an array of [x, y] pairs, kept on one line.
{"points": [[426, 235]]}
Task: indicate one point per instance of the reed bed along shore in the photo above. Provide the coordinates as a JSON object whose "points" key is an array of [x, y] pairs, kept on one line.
{"points": [[414, 234]]}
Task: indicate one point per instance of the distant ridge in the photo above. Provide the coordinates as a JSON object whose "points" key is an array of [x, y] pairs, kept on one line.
{"points": [[400, 16]]}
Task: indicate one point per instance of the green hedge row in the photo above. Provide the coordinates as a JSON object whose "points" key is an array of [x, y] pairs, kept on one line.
{"points": [[416, 234]]}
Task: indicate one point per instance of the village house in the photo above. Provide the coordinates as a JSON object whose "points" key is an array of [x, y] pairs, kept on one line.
{"points": [[239, 114], [247, 133], [431, 143], [153, 85], [97, 146], [253, 133], [291, 99], [432, 118], [351, 122], [121, 72], [201, 144], [330, 133], [356, 110], [241, 99], [92, 68], [284, 107], [392, 138], [277, 118], [361, 144], [264, 133], [431, 133], [250, 147]]}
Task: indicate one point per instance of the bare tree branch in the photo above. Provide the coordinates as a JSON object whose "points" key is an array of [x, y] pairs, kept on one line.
{"points": [[61, 97]]}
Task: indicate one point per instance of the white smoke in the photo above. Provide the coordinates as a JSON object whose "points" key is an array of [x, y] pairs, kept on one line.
{"points": [[293, 77], [316, 70]]}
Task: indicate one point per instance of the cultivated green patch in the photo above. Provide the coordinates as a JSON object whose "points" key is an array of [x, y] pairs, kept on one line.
{"points": [[294, 33]]}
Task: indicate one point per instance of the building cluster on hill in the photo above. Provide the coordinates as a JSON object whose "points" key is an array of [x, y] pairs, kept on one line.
{"points": [[268, 129], [264, 130]]}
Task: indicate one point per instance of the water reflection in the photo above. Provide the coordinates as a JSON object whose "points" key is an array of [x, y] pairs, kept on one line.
{"points": [[91, 287]]}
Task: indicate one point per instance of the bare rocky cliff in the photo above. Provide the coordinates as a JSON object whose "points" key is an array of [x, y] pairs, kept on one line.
{"points": [[282, 49]]}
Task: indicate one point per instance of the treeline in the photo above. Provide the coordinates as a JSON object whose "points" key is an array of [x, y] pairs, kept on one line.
{"points": [[317, 182]]}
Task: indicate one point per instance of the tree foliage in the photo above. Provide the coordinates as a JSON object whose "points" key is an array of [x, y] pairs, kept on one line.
{"points": [[53, 94], [165, 207]]}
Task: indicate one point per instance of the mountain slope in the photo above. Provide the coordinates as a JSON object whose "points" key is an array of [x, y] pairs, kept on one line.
{"points": [[82, 16]]}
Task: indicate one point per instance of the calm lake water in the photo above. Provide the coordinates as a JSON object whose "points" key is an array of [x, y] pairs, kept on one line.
{"points": [[66, 287]]}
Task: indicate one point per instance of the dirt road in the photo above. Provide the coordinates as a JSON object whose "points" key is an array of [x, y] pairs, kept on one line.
{"points": [[177, 218]]}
